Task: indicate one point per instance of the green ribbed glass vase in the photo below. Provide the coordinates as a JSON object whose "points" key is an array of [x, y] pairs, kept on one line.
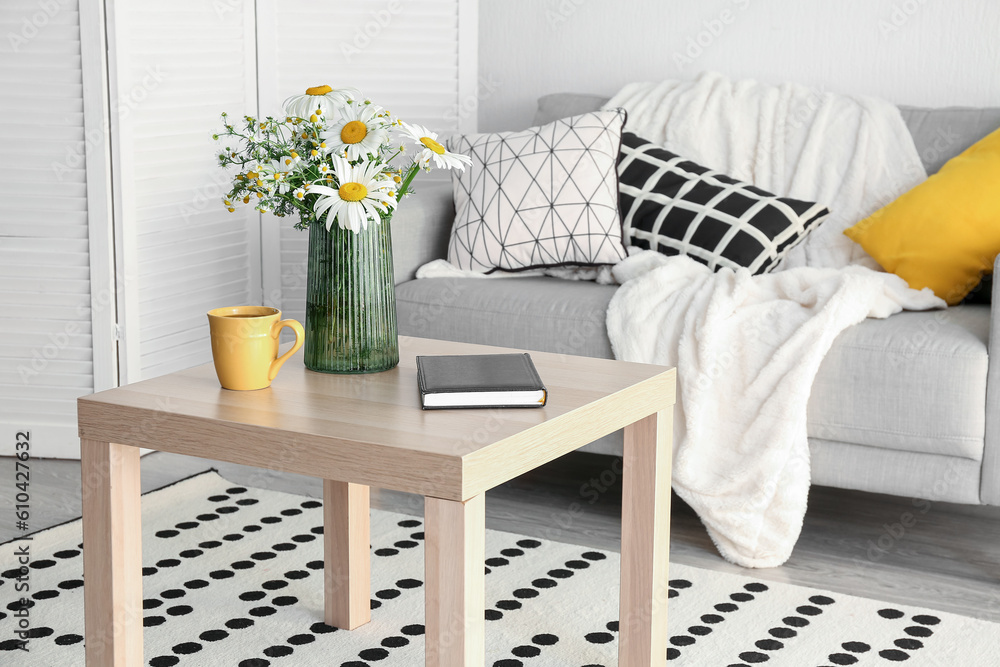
{"points": [[350, 300]]}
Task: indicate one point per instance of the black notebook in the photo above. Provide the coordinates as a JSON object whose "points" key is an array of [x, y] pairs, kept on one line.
{"points": [[479, 381]]}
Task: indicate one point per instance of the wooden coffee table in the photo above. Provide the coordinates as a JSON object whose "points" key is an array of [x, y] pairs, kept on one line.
{"points": [[359, 431]]}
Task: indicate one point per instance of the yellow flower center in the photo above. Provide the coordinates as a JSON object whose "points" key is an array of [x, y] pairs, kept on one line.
{"points": [[353, 192], [433, 145], [354, 132], [319, 90], [313, 118]]}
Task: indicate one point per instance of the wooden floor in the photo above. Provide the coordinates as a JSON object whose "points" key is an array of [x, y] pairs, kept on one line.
{"points": [[851, 543]]}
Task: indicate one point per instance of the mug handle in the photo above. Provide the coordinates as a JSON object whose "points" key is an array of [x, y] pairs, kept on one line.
{"points": [[300, 336]]}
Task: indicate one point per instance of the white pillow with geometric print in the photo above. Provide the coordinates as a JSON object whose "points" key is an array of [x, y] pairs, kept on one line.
{"points": [[542, 197]]}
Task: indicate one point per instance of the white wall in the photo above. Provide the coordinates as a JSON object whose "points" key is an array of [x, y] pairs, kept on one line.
{"points": [[919, 52]]}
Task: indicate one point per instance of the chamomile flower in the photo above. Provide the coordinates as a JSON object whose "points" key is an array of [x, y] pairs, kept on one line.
{"points": [[287, 162], [359, 132], [319, 98], [363, 194], [432, 150], [274, 175], [299, 193]]}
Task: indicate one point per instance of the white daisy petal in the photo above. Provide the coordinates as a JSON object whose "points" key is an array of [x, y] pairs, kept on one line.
{"points": [[361, 198], [327, 100], [356, 218], [322, 190], [323, 205], [431, 151], [371, 213], [360, 131], [333, 212]]}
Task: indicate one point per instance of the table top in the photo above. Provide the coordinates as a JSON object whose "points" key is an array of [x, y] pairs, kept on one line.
{"points": [[369, 429]]}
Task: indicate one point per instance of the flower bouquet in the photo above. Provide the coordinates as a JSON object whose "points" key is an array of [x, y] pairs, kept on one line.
{"points": [[340, 164]]}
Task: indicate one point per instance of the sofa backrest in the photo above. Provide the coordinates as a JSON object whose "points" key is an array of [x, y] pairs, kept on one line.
{"points": [[562, 105], [421, 228], [939, 134]]}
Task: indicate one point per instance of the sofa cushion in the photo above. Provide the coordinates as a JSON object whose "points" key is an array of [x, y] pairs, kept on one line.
{"points": [[677, 207], [543, 197], [533, 313], [913, 382], [943, 233]]}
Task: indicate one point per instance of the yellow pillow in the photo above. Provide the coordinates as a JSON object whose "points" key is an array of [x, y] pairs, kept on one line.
{"points": [[944, 233]]}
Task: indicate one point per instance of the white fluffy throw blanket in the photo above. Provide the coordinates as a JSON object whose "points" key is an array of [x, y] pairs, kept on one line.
{"points": [[851, 154], [746, 351]]}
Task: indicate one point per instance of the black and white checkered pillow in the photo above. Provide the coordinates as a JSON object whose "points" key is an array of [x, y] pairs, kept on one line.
{"points": [[542, 197], [677, 207]]}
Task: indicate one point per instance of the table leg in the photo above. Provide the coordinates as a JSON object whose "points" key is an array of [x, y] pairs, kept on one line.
{"points": [[645, 542], [454, 555], [112, 554], [347, 554]]}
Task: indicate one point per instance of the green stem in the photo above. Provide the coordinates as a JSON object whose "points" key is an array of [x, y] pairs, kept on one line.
{"points": [[410, 174]]}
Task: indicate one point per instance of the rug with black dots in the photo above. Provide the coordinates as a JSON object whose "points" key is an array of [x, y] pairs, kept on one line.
{"points": [[234, 578]]}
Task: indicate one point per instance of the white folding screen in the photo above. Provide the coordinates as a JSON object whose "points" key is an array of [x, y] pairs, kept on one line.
{"points": [[174, 68], [113, 238], [416, 58], [55, 231]]}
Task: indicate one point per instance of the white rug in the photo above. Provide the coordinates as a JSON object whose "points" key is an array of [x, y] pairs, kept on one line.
{"points": [[233, 578]]}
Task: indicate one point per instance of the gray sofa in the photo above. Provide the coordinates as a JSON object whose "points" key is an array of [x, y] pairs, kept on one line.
{"points": [[908, 406]]}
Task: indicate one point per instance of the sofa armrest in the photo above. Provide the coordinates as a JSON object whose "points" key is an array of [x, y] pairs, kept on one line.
{"points": [[421, 227], [990, 485]]}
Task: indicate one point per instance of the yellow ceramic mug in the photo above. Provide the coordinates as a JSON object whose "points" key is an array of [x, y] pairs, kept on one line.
{"points": [[245, 345]]}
